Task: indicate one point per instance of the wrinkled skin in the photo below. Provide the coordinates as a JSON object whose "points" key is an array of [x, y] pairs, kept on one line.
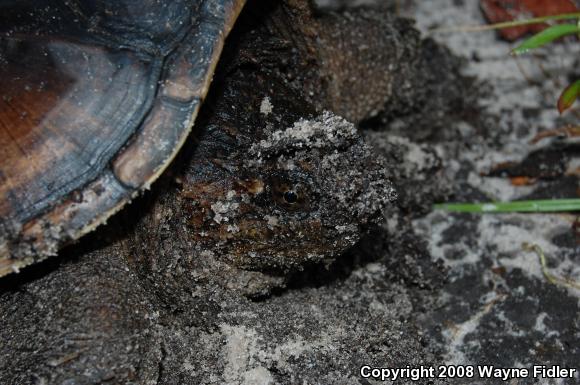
{"points": [[269, 184], [304, 193]]}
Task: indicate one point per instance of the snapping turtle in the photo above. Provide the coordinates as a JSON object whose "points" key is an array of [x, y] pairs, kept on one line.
{"points": [[98, 97], [267, 182]]}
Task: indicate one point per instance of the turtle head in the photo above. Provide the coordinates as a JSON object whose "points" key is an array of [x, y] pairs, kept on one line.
{"points": [[304, 193]]}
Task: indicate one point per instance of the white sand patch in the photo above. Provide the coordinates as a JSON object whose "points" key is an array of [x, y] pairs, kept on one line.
{"points": [[456, 334], [266, 106]]}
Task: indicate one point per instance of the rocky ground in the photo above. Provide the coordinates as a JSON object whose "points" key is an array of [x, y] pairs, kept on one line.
{"points": [[427, 288]]}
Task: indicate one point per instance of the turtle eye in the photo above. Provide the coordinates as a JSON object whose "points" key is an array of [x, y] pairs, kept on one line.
{"points": [[290, 197], [289, 193]]}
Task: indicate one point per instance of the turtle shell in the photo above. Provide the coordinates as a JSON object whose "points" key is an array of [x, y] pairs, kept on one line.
{"points": [[96, 98]]}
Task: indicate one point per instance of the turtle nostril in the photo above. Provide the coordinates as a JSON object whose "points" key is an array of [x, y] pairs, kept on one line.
{"points": [[290, 197]]}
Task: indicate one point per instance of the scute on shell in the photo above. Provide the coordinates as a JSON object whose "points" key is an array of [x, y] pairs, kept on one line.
{"points": [[96, 98]]}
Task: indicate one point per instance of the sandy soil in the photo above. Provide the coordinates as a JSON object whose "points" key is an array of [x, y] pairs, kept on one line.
{"points": [[428, 288], [498, 307]]}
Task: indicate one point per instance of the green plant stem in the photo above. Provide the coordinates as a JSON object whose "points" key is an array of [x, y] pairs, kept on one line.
{"points": [[555, 205], [507, 24]]}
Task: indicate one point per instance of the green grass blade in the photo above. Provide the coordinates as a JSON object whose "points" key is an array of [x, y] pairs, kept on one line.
{"points": [[569, 96], [536, 206], [546, 36], [509, 24]]}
